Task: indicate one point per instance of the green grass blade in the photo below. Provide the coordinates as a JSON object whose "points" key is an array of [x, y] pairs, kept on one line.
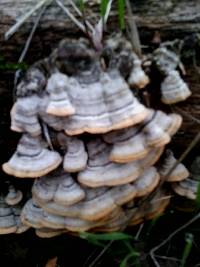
{"points": [[81, 4], [198, 196], [128, 257], [106, 237], [103, 7], [188, 246], [128, 245], [121, 13]]}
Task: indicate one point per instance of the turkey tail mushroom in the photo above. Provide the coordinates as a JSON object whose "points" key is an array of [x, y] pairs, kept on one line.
{"points": [[31, 159], [100, 171], [14, 196], [59, 187], [59, 104], [24, 115], [174, 89], [178, 174], [187, 188], [138, 78], [75, 158]]}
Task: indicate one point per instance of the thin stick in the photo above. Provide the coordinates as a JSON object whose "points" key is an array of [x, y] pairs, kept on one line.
{"points": [[26, 47], [21, 21], [139, 231], [152, 251], [134, 35], [71, 16], [47, 136], [101, 253], [189, 116], [194, 142], [167, 258]]}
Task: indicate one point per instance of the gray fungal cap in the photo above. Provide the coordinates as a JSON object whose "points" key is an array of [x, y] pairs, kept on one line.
{"points": [[166, 60], [103, 106], [59, 187], [98, 203], [135, 142], [178, 174], [8, 223], [137, 78], [31, 159], [147, 182], [174, 89], [24, 115], [155, 136], [100, 171], [75, 158], [187, 188], [59, 104], [14, 196], [32, 215], [55, 122]]}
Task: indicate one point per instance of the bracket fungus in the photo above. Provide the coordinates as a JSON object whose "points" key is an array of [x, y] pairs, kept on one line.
{"points": [[14, 196], [75, 158], [179, 173], [59, 187], [10, 221], [174, 89], [24, 117], [31, 159], [189, 187], [59, 104], [101, 163]]}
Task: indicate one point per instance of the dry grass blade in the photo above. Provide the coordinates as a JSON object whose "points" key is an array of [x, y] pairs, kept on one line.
{"points": [[27, 44], [21, 21], [101, 253], [134, 35], [71, 16], [153, 250], [89, 25]]}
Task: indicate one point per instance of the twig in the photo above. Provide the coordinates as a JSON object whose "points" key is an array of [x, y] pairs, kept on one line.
{"points": [[139, 231], [189, 116], [134, 35], [167, 258], [101, 253], [89, 257], [153, 250], [182, 157], [71, 16], [21, 21], [46, 135], [26, 47]]}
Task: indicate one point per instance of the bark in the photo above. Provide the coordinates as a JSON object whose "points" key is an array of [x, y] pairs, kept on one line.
{"points": [[172, 18]]}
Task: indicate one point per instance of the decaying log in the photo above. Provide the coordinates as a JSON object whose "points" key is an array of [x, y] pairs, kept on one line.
{"points": [[172, 18]]}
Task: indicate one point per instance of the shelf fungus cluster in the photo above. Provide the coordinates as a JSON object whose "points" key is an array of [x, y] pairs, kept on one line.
{"points": [[173, 87], [91, 146]]}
